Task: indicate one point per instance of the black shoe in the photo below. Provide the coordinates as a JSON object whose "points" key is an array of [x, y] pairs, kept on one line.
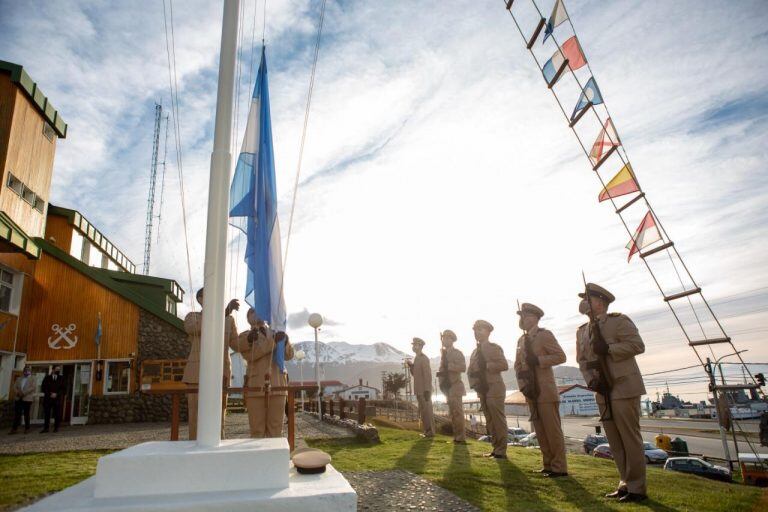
{"points": [[498, 456], [542, 471], [555, 474], [617, 494], [44, 431], [631, 497], [459, 442]]}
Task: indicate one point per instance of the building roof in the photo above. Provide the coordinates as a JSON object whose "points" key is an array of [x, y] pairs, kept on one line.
{"points": [[314, 383], [88, 230], [359, 386], [517, 397], [148, 298], [17, 237], [36, 96]]}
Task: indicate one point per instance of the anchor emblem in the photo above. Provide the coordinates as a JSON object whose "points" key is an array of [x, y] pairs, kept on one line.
{"points": [[63, 335]]}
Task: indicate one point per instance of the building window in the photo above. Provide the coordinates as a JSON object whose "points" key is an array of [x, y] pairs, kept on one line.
{"points": [[39, 204], [29, 196], [104, 261], [85, 254], [48, 132], [15, 184], [6, 290], [118, 377], [170, 305]]}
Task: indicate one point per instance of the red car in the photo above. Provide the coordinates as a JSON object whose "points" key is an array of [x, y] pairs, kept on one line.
{"points": [[602, 451]]}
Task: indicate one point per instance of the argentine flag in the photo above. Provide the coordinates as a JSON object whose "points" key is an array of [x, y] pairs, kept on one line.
{"points": [[253, 209]]}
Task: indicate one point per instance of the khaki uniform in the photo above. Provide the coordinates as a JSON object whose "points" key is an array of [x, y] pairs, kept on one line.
{"points": [[493, 401], [193, 326], [422, 387], [546, 422], [455, 366], [623, 427], [259, 356]]}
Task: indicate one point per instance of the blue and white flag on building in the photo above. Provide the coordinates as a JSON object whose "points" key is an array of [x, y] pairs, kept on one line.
{"points": [[253, 208], [97, 337]]}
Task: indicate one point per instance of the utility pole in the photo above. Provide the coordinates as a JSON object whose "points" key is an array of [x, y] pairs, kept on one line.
{"points": [[152, 183]]}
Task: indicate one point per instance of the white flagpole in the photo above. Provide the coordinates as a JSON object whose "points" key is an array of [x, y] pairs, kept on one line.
{"points": [[211, 348]]}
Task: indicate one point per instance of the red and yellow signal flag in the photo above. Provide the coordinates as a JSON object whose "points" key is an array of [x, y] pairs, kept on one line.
{"points": [[621, 184]]}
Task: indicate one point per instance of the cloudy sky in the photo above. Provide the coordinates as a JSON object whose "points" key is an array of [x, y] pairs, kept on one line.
{"points": [[440, 180]]}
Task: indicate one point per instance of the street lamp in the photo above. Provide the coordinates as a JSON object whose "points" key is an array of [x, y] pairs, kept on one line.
{"points": [[299, 356], [315, 321]]}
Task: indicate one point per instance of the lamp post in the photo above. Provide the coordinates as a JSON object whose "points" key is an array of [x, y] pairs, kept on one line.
{"points": [[315, 321], [299, 356]]}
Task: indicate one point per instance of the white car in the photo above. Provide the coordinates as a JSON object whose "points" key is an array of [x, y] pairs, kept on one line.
{"points": [[515, 434], [530, 440]]}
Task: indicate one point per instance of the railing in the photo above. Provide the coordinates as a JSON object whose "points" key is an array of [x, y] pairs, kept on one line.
{"points": [[343, 408], [176, 395]]}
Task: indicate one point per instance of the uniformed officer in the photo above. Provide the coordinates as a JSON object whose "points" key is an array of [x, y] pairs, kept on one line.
{"points": [[614, 338], [452, 365], [486, 364], [193, 325], [537, 352], [257, 347], [422, 386]]}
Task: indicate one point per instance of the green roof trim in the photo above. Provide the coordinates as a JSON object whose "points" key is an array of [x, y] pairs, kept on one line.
{"points": [[19, 76], [106, 278], [12, 233]]}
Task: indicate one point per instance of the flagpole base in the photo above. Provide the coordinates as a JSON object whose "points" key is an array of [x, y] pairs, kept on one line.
{"points": [[240, 475]]}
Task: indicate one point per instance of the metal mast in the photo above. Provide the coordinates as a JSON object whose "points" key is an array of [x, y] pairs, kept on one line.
{"points": [[152, 182]]}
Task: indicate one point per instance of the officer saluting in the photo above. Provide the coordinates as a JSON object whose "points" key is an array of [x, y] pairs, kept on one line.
{"points": [[485, 366], [537, 352], [605, 350]]}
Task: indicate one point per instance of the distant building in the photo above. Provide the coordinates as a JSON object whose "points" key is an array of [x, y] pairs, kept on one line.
{"points": [[359, 391], [575, 400], [329, 387]]}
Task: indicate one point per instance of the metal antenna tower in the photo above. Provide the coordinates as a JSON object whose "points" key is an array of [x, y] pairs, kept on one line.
{"points": [[162, 180], [152, 182]]}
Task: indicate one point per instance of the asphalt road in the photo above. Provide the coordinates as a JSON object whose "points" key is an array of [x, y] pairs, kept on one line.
{"points": [[702, 436]]}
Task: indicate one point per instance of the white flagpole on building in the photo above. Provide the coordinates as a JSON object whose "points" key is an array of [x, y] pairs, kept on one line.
{"points": [[212, 336]]}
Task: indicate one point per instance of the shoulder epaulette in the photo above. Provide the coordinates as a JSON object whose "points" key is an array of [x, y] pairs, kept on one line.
{"points": [[614, 314]]}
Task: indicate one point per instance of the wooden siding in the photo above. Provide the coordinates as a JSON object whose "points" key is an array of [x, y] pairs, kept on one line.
{"points": [[8, 323], [22, 264], [60, 229], [29, 157], [64, 296]]}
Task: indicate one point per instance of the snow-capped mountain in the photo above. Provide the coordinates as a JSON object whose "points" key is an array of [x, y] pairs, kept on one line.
{"points": [[342, 352]]}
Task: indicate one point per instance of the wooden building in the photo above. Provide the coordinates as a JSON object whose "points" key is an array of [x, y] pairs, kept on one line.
{"points": [[68, 296]]}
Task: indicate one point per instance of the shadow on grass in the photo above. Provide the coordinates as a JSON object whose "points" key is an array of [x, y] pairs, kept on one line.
{"points": [[415, 459], [575, 493], [514, 479], [459, 476]]}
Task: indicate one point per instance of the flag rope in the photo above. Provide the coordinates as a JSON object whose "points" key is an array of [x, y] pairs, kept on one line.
{"points": [[664, 236]]}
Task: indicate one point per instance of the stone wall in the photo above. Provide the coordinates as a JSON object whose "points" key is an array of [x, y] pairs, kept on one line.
{"points": [[159, 339], [136, 407]]}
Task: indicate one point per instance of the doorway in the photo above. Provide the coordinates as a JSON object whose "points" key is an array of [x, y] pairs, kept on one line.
{"points": [[77, 378]]}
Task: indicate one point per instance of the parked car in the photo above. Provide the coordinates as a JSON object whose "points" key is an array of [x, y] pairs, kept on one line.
{"points": [[593, 440], [602, 451], [529, 440], [697, 466], [516, 434], [484, 439], [653, 454]]}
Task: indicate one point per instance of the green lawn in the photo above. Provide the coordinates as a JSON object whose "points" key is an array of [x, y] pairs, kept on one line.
{"points": [[25, 477], [510, 485], [488, 483]]}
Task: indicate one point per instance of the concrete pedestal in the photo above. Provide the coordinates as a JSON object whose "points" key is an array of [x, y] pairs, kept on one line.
{"points": [[242, 474]]}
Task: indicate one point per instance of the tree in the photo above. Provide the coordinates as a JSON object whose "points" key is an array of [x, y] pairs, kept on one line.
{"points": [[394, 382]]}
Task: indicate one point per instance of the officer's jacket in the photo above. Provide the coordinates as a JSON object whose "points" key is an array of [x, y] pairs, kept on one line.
{"points": [[456, 366], [548, 350], [422, 375], [495, 364], [624, 343], [192, 326], [259, 355]]}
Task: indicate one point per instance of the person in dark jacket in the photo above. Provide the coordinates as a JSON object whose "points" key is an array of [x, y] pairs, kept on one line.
{"points": [[53, 389]]}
